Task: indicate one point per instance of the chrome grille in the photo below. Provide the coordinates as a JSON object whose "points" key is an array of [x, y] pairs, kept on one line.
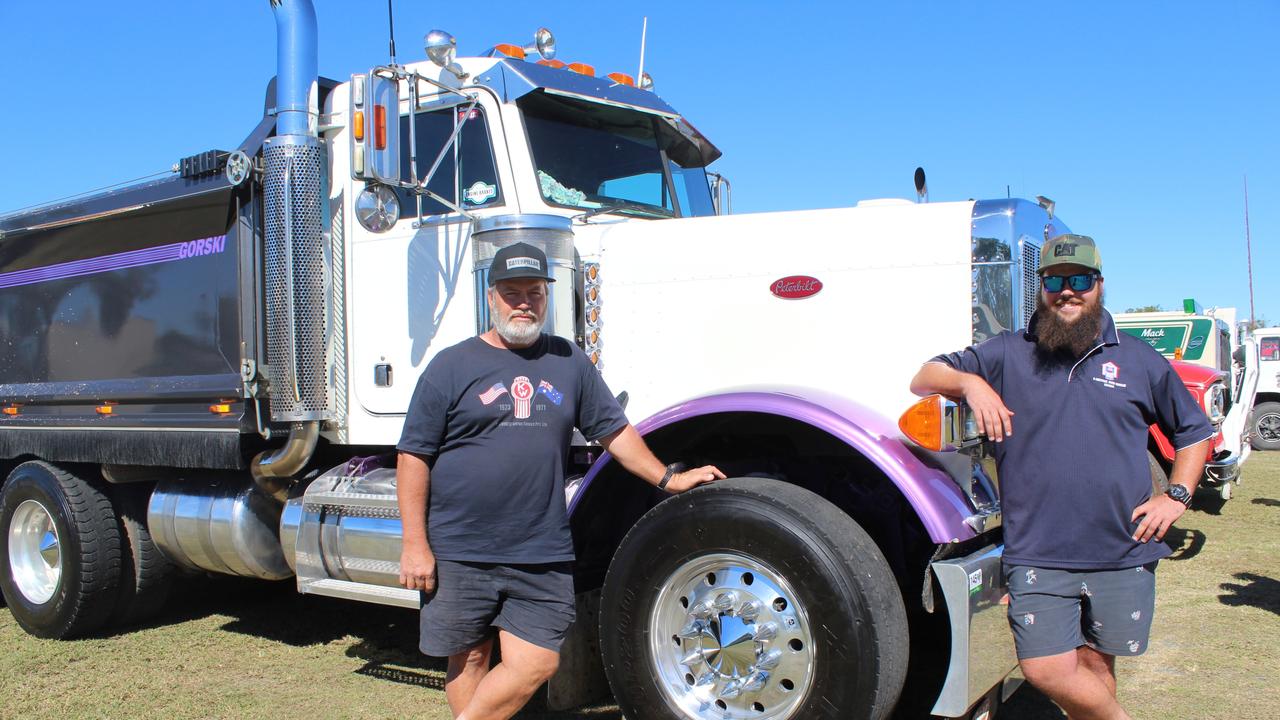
{"points": [[1030, 278], [295, 279]]}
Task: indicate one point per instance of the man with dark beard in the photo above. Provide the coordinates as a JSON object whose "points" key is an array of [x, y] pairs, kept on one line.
{"points": [[1082, 531], [481, 463]]}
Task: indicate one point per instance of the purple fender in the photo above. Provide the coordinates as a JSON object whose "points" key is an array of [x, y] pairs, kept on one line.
{"points": [[937, 500]]}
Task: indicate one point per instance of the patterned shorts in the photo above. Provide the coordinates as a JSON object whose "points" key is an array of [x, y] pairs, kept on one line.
{"points": [[1054, 611]]}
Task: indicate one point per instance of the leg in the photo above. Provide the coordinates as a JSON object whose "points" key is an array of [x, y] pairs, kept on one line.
{"points": [[509, 685], [466, 670], [1073, 686], [1102, 665]]}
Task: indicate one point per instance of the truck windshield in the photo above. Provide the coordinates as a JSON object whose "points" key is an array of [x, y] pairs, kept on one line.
{"points": [[589, 156]]}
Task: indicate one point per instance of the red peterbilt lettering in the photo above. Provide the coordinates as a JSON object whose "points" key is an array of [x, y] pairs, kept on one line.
{"points": [[794, 287]]}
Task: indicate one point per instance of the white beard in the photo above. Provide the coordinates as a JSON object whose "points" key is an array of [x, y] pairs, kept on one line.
{"points": [[518, 334]]}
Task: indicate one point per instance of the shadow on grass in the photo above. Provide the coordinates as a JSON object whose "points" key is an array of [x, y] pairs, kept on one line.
{"points": [[1256, 591], [1208, 501], [1185, 544], [1269, 502], [1029, 703]]}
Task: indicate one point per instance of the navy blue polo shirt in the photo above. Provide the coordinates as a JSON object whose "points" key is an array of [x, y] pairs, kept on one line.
{"points": [[1076, 465]]}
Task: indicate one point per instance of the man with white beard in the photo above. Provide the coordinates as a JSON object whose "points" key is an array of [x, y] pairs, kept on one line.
{"points": [[480, 485], [1082, 531]]}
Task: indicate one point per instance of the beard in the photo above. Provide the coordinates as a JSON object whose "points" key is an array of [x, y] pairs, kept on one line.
{"points": [[519, 334], [1062, 337]]}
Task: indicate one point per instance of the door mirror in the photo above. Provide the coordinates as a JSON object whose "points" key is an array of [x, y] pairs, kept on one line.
{"points": [[375, 128]]}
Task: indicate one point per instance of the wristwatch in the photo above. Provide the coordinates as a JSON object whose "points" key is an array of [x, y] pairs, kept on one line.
{"points": [[1179, 493], [672, 469]]}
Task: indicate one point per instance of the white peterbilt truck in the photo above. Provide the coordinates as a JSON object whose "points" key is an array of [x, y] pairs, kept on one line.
{"points": [[209, 373]]}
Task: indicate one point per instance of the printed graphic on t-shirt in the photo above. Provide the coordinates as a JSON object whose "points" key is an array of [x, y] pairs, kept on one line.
{"points": [[522, 405]]}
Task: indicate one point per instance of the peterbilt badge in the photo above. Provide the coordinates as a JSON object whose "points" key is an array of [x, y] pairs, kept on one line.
{"points": [[794, 287]]}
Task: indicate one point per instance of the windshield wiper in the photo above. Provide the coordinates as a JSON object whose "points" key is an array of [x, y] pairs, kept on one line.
{"points": [[615, 207]]}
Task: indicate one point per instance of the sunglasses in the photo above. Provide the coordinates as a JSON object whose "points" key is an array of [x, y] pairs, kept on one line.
{"points": [[1079, 283]]}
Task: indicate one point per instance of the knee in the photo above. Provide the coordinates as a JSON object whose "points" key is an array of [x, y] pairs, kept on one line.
{"points": [[1046, 673], [545, 667], [470, 661]]}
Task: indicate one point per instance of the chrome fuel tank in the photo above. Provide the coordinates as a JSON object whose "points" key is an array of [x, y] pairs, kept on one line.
{"points": [[218, 522]]}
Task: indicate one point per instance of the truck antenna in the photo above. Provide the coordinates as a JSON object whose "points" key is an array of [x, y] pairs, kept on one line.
{"points": [[644, 30], [1248, 247], [391, 25]]}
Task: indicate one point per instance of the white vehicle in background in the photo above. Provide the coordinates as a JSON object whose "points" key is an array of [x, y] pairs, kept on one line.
{"points": [[1265, 421]]}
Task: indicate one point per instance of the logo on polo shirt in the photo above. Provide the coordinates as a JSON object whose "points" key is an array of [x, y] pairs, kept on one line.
{"points": [[1110, 371]]}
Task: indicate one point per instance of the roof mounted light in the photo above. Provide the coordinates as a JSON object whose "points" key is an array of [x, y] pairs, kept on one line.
{"points": [[557, 64], [646, 82], [507, 50], [622, 79], [544, 43], [582, 69], [442, 48]]}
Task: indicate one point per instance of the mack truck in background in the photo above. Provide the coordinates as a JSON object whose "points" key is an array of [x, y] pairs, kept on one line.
{"points": [[1219, 365], [208, 373]]}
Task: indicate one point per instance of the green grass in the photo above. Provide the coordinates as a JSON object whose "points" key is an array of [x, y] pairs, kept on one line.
{"points": [[229, 648]]}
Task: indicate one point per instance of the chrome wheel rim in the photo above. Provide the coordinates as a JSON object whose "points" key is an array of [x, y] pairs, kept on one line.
{"points": [[35, 552], [1269, 427], [730, 639]]}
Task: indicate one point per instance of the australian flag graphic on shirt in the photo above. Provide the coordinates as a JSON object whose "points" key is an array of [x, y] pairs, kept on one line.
{"points": [[552, 394]]}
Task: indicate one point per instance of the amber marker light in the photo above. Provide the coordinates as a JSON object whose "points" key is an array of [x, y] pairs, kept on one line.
{"points": [[622, 79], [11, 410], [380, 127], [220, 408], [105, 409], [511, 51], [357, 125], [582, 69], [922, 422], [557, 64]]}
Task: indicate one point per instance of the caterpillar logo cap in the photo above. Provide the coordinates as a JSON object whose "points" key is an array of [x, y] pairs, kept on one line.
{"points": [[1070, 250]]}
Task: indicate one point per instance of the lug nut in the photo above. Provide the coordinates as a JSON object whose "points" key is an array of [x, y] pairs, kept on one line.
{"points": [[725, 601], [732, 689], [691, 630], [765, 631], [769, 660], [755, 682], [750, 610]]}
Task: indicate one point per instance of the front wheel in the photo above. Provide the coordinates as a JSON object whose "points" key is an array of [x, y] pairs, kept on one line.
{"points": [[751, 598], [1266, 426]]}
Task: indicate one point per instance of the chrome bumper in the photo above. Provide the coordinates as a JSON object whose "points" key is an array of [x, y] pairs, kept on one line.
{"points": [[1223, 470]]}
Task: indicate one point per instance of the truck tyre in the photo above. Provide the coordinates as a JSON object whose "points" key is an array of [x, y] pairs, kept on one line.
{"points": [[61, 551], [146, 575], [751, 598], [1266, 426]]}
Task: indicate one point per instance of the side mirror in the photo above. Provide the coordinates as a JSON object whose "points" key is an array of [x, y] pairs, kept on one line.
{"points": [[375, 128]]}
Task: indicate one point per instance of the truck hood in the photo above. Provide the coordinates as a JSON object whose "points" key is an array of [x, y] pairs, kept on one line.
{"points": [[1196, 376]]}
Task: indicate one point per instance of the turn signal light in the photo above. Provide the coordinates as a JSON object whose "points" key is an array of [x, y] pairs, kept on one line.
{"points": [[220, 408], [582, 69], [380, 127], [11, 410], [622, 79], [511, 51], [922, 422], [357, 125], [557, 64], [104, 409]]}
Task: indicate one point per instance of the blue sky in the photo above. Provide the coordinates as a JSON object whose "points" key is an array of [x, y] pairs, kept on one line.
{"points": [[1140, 119]]}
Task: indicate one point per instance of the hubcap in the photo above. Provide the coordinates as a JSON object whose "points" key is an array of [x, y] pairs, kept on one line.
{"points": [[35, 554], [730, 639], [1269, 427]]}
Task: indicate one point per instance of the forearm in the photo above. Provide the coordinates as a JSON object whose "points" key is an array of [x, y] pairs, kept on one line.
{"points": [[634, 454], [935, 377], [413, 483], [1188, 465]]}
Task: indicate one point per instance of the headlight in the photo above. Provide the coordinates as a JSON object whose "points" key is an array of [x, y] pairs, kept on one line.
{"points": [[1215, 402], [377, 208]]}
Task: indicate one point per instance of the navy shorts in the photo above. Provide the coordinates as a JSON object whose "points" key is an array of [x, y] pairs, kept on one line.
{"points": [[533, 602], [1054, 611]]}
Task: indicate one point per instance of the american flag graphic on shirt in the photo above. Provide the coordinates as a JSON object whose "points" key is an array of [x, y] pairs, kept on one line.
{"points": [[493, 393]]}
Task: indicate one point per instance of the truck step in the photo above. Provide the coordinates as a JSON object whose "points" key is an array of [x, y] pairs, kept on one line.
{"points": [[368, 501], [399, 597]]}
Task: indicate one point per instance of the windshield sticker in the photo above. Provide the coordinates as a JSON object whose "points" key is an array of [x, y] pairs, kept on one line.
{"points": [[480, 193]]}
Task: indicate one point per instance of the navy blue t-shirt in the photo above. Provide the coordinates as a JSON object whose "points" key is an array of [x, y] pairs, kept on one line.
{"points": [[495, 426], [1076, 465]]}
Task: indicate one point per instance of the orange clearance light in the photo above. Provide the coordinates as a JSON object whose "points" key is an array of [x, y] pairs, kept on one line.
{"points": [[557, 64], [922, 422], [220, 408], [380, 127], [582, 69], [512, 51], [11, 410], [1177, 353], [622, 78], [104, 409], [357, 125]]}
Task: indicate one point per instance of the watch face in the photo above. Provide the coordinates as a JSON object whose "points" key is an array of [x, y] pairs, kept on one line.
{"points": [[1179, 493]]}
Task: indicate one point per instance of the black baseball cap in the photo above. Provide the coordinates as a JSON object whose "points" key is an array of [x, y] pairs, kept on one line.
{"points": [[519, 260]]}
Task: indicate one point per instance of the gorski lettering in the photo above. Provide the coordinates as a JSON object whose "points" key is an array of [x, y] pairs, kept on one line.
{"points": [[203, 246]]}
